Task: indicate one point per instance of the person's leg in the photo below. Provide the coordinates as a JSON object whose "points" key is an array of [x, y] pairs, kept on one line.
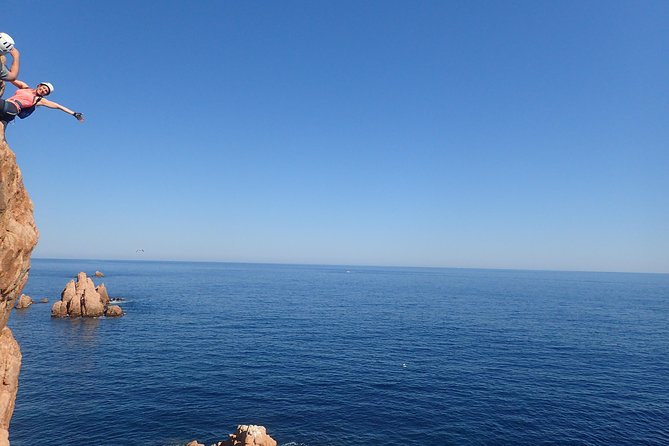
{"points": [[8, 110]]}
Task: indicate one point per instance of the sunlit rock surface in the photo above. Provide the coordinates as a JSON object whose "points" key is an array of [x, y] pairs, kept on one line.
{"points": [[83, 299], [245, 435], [18, 237], [24, 302]]}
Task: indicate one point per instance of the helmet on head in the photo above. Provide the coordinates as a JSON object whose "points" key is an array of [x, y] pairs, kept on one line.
{"points": [[47, 85], [6, 43]]}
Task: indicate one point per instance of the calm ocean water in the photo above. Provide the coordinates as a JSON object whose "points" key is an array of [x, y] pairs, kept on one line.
{"points": [[332, 356]]}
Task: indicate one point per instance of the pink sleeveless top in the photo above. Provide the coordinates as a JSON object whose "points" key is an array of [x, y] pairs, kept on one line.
{"points": [[23, 98]]}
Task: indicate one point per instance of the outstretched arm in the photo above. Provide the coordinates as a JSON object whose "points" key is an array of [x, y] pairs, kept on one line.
{"points": [[51, 104], [14, 71]]}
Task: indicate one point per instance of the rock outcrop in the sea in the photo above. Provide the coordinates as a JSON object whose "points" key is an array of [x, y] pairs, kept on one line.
{"points": [[18, 237], [114, 311], [24, 302], [246, 435], [249, 436], [83, 299], [99, 274]]}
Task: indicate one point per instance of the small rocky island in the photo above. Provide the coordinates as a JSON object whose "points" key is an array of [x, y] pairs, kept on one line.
{"points": [[84, 299], [246, 435], [24, 302]]}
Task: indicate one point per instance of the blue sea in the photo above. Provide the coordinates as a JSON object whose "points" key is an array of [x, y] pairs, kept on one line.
{"points": [[345, 355]]}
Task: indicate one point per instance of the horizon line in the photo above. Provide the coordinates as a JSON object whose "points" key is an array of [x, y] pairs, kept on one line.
{"points": [[354, 265]]}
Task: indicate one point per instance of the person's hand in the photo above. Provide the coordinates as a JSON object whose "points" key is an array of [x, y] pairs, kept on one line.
{"points": [[14, 52], [79, 116]]}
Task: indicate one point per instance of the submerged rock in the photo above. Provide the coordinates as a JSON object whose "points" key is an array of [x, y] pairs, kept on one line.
{"points": [[82, 299], [99, 274], [24, 302], [44, 300]]}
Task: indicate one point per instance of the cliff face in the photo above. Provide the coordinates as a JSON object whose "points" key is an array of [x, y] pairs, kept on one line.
{"points": [[18, 236]]}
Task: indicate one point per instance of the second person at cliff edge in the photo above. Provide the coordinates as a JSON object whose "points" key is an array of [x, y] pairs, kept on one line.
{"points": [[26, 99]]}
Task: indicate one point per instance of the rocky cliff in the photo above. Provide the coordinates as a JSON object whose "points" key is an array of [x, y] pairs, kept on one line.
{"points": [[18, 236]]}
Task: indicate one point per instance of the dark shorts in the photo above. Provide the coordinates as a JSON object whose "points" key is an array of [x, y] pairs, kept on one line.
{"points": [[8, 110]]}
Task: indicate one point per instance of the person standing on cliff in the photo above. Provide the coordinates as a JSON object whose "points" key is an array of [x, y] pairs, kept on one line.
{"points": [[8, 74], [26, 99]]}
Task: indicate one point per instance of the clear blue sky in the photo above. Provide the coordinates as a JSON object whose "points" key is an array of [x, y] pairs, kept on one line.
{"points": [[504, 134]]}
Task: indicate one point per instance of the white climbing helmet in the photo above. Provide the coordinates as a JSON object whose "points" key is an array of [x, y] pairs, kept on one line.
{"points": [[6, 43], [47, 85]]}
